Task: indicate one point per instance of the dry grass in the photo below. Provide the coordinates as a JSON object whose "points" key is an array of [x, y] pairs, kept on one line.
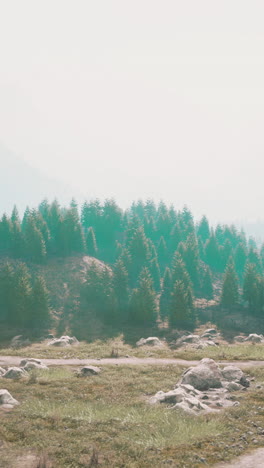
{"points": [[105, 421], [116, 347]]}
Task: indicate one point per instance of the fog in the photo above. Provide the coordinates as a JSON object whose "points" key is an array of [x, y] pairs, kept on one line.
{"points": [[139, 99]]}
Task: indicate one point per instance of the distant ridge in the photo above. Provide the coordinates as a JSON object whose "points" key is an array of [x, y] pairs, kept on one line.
{"points": [[24, 185]]}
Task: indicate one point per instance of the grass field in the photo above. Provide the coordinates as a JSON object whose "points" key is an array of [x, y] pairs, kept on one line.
{"points": [[106, 421], [116, 346]]}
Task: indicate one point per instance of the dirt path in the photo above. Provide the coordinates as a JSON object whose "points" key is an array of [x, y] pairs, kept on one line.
{"points": [[15, 361], [254, 459]]}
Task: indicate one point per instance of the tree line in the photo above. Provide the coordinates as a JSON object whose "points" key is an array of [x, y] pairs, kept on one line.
{"points": [[159, 258]]}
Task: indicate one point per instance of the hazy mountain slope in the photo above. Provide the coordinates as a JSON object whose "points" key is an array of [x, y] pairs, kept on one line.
{"points": [[24, 185]]}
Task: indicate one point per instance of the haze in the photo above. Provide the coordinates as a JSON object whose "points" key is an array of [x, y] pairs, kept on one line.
{"points": [[139, 99]]}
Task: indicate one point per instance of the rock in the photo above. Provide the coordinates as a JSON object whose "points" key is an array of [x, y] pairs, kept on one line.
{"points": [[19, 342], [239, 339], [232, 373], [6, 399], [90, 370], [254, 338], [211, 331], [2, 371], [15, 373], [34, 365], [188, 339], [233, 387], [150, 341], [25, 361], [64, 341], [204, 376]]}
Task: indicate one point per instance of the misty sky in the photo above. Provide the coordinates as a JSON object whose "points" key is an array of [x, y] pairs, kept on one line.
{"points": [[138, 99]]}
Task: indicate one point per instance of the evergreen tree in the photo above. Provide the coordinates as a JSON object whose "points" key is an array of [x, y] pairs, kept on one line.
{"points": [[91, 245], [240, 259], [212, 255], [22, 295], [143, 307], [162, 253], [40, 313], [179, 272], [181, 307], [203, 230], [165, 295], [5, 234], [207, 283], [121, 291], [7, 283], [34, 242], [17, 247], [229, 296], [15, 215], [251, 287], [139, 251], [155, 273]]}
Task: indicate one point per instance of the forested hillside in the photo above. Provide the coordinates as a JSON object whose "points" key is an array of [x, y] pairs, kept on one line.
{"points": [[156, 261]]}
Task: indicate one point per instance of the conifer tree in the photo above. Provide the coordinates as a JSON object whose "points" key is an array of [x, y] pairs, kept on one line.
{"points": [[203, 230], [179, 272], [7, 284], [155, 273], [5, 234], [207, 283], [165, 296], [162, 253], [143, 307], [212, 255], [91, 245], [240, 259], [15, 215], [40, 313], [181, 307], [139, 251], [251, 287], [230, 295], [22, 295], [34, 242], [121, 291], [17, 247]]}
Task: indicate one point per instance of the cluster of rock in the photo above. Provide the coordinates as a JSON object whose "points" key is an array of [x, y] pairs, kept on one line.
{"points": [[17, 373], [150, 341], [63, 341], [205, 388], [209, 338], [252, 338]]}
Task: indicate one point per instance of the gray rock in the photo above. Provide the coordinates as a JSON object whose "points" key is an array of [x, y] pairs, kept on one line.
{"points": [[6, 399], [64, 341], [150, 341], [34, 365], [239, 339], [188, 339], [15, 373], [233, 387], [204, 376], [90, 370], [2, 371], [25, 361], [254, 338], [232, 373]]}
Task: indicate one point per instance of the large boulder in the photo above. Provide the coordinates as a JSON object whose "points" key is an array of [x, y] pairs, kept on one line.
{"points": [[254, 338], [15, 373], [31, 363], [19, 342], [232, 373], [204, 376], [90, 370], [64, 341], [6, 399], [150, 341], [188, 339]]}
